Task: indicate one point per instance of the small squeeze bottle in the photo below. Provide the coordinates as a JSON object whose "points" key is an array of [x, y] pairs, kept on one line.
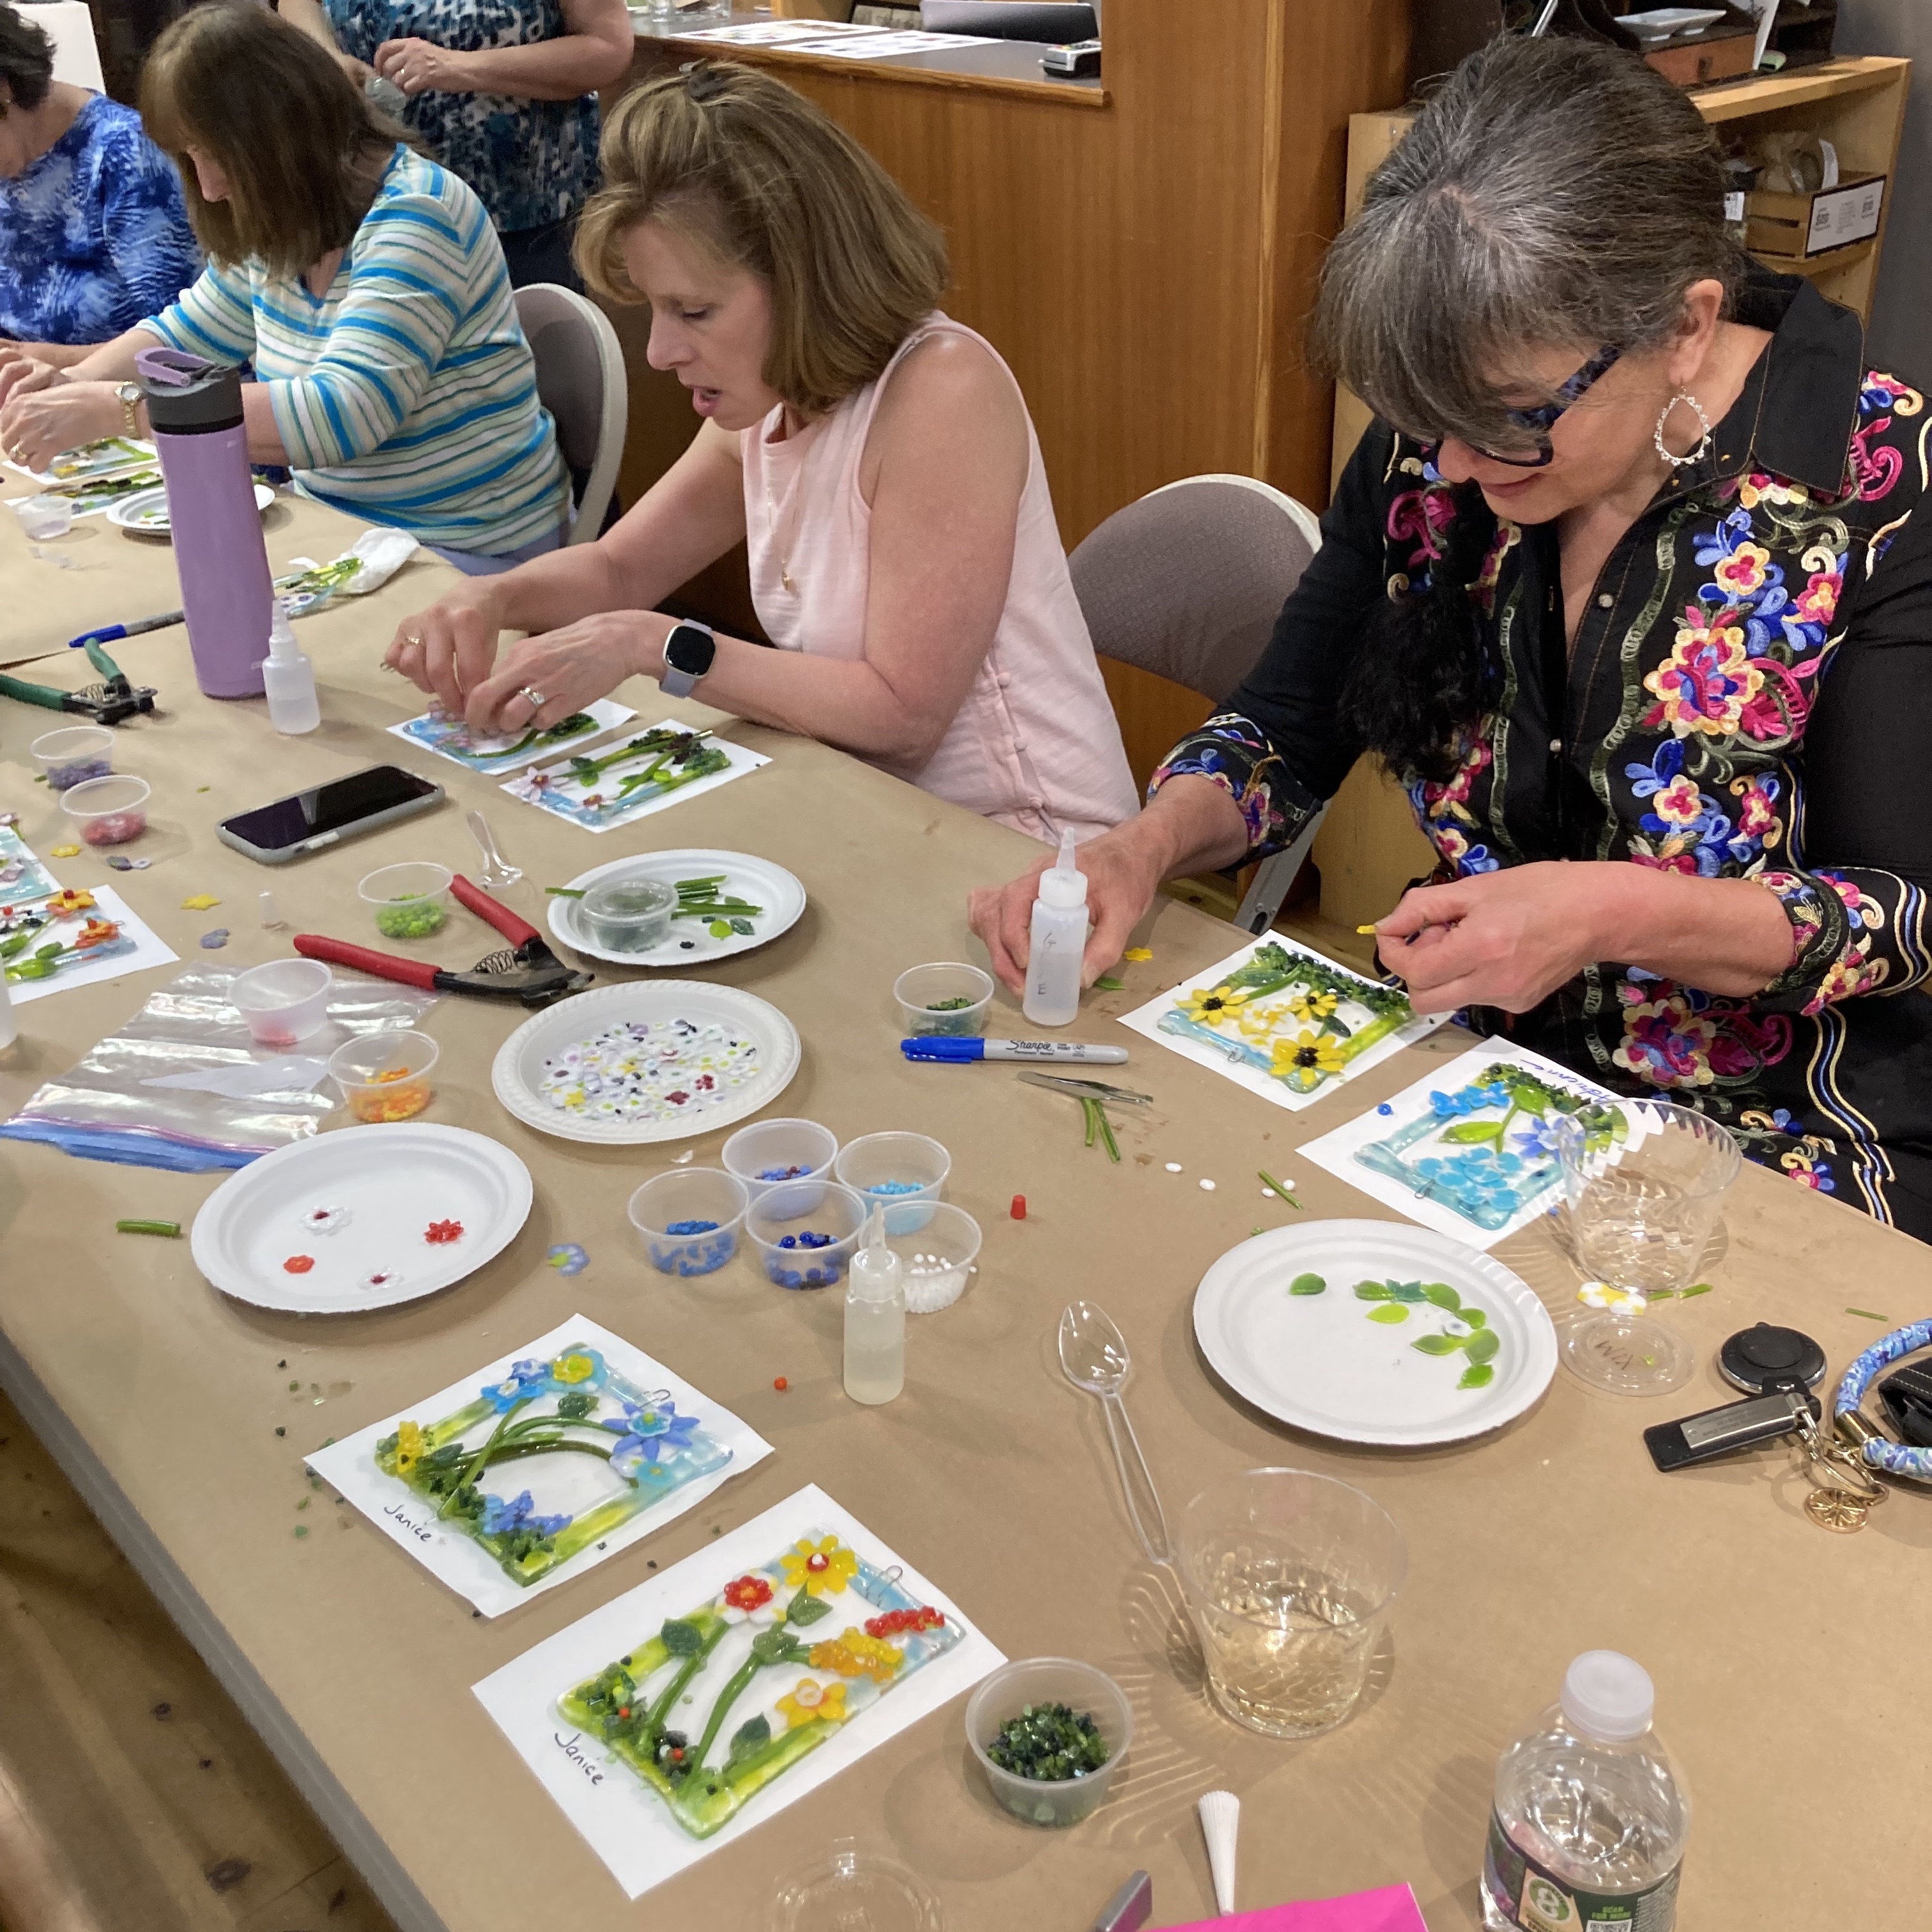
{"points": [[289, 679], [875, 1317], [1059, 942]]}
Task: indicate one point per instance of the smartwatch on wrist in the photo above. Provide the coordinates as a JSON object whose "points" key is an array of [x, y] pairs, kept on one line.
{"points": [[687, 653]]}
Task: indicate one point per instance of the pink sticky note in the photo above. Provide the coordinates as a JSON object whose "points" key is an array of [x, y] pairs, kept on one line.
{"points": [[1393, 1909]]}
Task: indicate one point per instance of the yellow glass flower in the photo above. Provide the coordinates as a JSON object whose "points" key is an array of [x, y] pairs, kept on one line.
{"points": [[1257, 1022], [809, 1701], [856, 1653], [1307, 1005], [1138, 952], [1305, 1061], [68, 901], [819, 1569], [1208, 1006], [573, 1368], [410, 1447]]}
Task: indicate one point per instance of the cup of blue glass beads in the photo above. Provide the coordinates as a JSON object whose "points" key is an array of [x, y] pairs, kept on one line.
{"points": [[688, 1219], [805, 1231], [906, 1171]]}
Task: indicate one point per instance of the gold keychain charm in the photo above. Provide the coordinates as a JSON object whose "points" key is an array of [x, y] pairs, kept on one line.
{"points": [[1843, 1495]]}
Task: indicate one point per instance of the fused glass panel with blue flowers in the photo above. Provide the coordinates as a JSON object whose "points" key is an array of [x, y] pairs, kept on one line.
{"points": [[1485, 1150], [557, 1454], [714, 1704]]}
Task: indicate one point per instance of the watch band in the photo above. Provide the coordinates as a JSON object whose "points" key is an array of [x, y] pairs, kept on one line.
{"points": [[680, 680], [130, 393]]}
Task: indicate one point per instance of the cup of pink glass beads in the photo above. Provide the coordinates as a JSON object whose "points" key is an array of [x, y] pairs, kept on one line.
{"points": [[109, 811]]}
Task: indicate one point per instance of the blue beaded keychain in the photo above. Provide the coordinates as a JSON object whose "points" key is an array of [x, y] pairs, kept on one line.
{"points": [[1894, 1459]]}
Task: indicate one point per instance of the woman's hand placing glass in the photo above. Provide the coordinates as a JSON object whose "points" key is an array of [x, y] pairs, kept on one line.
{"points": [[37, 422]]}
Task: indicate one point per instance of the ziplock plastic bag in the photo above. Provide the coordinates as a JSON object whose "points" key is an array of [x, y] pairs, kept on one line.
{"points": [[101, 1110]]}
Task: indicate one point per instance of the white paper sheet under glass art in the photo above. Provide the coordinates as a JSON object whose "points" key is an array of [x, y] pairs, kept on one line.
{"points": [[1283, 1020], [800, 1583], [1375, 1331], [360, 1219], [532, 1519]]}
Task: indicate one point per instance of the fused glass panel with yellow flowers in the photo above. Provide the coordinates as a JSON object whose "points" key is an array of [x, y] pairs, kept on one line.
{"points": [[1288, 1020], [720, 1701], [557, 1454]]}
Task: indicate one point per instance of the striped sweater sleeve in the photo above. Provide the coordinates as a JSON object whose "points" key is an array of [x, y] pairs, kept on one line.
{"points": [[409, 289], [214, 318]]}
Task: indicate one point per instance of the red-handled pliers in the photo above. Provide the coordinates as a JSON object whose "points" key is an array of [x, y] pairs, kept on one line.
{"points": [[530, 972]]}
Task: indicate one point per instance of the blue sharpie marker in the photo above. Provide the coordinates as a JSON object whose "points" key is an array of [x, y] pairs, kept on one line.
{"points": [[1063, 1052]]}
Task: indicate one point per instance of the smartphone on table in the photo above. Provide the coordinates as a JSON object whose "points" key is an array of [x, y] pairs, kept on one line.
{"points": [[308, 821]]}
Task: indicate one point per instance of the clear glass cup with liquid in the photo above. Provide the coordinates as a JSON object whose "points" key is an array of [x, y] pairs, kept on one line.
{"points": [[1289, 1576], [1644, 1198]]}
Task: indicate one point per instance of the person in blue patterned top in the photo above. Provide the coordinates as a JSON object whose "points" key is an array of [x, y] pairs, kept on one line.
{"points": [[502, 92], [93, 232]]}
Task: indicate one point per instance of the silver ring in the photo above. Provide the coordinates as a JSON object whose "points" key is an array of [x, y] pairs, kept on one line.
{"points": [[535, 698], [412, 637]]}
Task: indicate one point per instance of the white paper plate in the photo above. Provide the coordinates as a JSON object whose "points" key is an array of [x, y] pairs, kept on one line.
{"points": [[757, 881], [145, 513], [1317, 1362], [517, 1073], [394, 1180]]}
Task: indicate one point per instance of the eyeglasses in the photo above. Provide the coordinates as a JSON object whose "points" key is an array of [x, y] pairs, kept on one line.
{"points": [[1539, 422]]}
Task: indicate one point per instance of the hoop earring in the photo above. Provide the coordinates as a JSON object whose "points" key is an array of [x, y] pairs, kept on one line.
{"points": [[1704, 422]]}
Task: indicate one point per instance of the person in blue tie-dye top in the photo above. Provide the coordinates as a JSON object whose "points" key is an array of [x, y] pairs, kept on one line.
{"points": [[93, 234]]}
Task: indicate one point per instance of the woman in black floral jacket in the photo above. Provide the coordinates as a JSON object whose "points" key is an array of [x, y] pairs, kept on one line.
{"points": [[1625, 585]]}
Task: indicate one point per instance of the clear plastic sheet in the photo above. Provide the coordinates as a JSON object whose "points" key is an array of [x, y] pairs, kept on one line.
{"points": [[100, 1110]]}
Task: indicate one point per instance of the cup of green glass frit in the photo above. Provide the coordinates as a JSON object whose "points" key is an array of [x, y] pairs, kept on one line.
{"points": [[947, 997], [409, 901], [1049, 1733]]}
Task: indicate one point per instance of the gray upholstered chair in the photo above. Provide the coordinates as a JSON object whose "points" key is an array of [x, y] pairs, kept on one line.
{"points": [[1186, 583], [581, 380]]}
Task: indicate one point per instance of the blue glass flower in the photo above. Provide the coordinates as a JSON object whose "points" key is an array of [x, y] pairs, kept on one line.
{"points": [[500, 1519], [567, 1258], [1536, 1140], [526, 1381], [648, 1430]]}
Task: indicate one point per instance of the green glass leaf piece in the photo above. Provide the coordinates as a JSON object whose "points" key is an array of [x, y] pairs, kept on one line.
{"points": [[1443, 1295], [1478, 1375], [719, 928], [1475, 1317], [1436, 1345], [1696, 1287], [1108, 982], [743, 927], [805, 1608], [680, 1638], [754, 1734], [1372, 1290], [1390, 1313], [1410, 1292], [1472, 1133], [1482, 1345], [1308, 1284], [776, 1646], [577, 1404]]}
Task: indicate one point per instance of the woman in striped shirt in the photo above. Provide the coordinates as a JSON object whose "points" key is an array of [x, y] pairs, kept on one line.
{"points": [[365, 283]]}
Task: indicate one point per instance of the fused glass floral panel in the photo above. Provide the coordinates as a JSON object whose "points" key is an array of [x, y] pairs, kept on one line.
{"points": [[714, 1706], [1283, 1020], [611, 784], [451, 738], [1470, 1150], [484, 1467]]}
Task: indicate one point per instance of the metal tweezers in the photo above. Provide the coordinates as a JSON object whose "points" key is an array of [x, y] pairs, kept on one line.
{"points": [[1086, 1090]]}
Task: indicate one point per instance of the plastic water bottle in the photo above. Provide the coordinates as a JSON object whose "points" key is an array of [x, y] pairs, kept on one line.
{"points": [[875, 1317], [1059, 942], [1588, 1832], [289, 678]]}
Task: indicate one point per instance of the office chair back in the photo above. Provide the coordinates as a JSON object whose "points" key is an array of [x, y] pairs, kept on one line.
{"points": [[1052, 22], [1187, 582], [581, 381]]}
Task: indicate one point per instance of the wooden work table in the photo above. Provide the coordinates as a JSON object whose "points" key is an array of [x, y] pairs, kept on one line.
{"points": [[1776, 1648]]}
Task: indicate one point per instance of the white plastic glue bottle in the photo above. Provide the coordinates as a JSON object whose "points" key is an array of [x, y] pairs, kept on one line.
{"points": [[1059, 942], [875, 1316], [289, 679]]}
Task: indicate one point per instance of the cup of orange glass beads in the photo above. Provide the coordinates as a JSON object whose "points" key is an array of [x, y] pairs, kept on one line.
{"points": [[385, 1076]]}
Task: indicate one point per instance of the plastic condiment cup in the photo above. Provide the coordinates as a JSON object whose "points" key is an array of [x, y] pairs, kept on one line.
{"points": [[284, 1001], [409, 901], [1049, 1680], [45, 516], [385, 1076], [769, 1152], [925, 994], [108, 811], [794, 1209], [74, 754], [663, 1209], [906, 1172], [936, 1259], [627, 915]]}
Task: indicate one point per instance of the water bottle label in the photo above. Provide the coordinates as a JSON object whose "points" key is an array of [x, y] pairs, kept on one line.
{"points": [[1538, 1900]]}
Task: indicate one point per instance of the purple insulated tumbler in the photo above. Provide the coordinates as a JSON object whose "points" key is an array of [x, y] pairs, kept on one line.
{"points": [[195, 411]]}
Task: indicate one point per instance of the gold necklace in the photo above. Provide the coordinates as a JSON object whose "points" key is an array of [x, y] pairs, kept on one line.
{"points": [[798, 510]]}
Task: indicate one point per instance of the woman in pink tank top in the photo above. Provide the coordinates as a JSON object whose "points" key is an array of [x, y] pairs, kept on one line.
{"points": [[877, 459]]}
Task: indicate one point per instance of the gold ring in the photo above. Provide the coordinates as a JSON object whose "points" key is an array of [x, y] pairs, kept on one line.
{"points": [[412, 637]]}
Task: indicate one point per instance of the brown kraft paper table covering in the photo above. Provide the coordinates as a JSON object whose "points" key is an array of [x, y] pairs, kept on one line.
{"points": [[1778, 1650]]}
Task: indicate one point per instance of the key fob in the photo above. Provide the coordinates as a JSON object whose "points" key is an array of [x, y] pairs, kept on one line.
{"points": [[1717, 1431]]}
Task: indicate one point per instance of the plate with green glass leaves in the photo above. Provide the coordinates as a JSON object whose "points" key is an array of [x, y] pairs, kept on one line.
{"points": [[1373, 1331], [728, 902]]}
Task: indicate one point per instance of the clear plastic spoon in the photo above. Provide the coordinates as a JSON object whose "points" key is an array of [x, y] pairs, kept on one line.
{"points": [[497, 871], [1093, 1356]]}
